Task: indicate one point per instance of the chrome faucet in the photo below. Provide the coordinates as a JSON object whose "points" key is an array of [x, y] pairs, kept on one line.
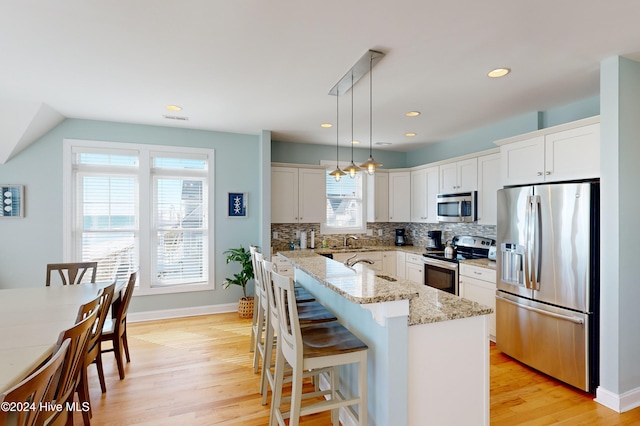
{"points": [[349, 263], [348, 238]]}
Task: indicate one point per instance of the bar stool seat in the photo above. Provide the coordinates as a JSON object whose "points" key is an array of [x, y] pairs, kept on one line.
{"points": [[319, 348]]}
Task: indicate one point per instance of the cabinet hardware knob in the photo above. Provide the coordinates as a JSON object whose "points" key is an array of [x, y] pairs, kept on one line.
{"points": [[547, 173], [539, 173]]}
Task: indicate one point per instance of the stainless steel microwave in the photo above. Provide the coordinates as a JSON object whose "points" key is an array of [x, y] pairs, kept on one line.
{"points": [[460, 207]]}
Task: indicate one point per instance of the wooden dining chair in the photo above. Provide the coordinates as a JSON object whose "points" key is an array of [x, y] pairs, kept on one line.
{"points": [[72, 273], [34, 390], [94, 354], [115, 329], [64, 394], [86, 309]]}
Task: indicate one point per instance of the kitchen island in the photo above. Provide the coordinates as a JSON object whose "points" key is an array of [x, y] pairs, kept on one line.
{"points": [[428, 350]]}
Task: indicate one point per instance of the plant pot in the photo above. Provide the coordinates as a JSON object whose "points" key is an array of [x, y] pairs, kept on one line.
{"points": [[245, 307]]}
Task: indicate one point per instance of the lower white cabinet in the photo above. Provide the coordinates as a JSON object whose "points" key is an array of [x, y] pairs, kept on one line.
{"points": [[479, 284], [401, 265], [389, 262], [414, 268]]}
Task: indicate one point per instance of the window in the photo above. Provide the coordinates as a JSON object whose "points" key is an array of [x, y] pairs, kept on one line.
{"points": [[345, 203], [140, 207]]}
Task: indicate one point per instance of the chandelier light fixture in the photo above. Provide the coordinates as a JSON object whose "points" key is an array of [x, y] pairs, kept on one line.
{"points": [[337, 173], [370, 165], [352, 169]]}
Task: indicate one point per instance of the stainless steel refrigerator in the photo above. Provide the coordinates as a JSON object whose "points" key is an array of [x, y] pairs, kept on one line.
{"points": [[548, 279]]}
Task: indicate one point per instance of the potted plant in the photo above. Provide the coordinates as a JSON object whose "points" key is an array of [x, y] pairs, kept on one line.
{"points": [[242, 256]]}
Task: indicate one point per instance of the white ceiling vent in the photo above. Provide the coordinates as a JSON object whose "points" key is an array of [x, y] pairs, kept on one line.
{"points": [[176, 117]]}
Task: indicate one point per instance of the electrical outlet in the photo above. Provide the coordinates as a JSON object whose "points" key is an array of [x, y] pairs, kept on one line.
{"points": [[369, 232], [275, 235], [413, 234], [379, 232]]}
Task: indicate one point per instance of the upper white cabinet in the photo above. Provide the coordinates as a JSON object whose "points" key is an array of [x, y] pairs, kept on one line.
{"points": [[399, 197], [298, 195], [378, 197], [424, 189], [488, 185], [549, 155], [459, 176]]}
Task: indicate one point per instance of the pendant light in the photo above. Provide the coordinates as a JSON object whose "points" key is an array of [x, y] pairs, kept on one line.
{"points": [[337, 173], [370, 165], [352, 169]]}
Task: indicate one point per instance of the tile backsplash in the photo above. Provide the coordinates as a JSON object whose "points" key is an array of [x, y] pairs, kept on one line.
{"points": [[416, 233]]}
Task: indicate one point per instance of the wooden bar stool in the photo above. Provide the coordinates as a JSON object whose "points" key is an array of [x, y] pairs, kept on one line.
{"points": [[323, 348], [252, 343], [309, 313]]}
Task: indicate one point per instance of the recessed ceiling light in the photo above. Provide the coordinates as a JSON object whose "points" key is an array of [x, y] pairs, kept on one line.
{"points": [[355, 142], [412, 113], [326, 125], [174, 108], [410, 134], [498, 72], [384, 143]]}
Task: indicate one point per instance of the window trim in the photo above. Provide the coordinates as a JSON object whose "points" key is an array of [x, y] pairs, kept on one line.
{"points": [[145, 205], [324, 228]]}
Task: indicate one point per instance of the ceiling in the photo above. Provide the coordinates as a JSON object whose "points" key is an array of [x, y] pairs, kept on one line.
{"points": [[250, 65]]}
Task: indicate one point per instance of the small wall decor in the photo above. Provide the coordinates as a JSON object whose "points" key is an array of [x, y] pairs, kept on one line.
{"points": [[12, 197], [237, 204]]}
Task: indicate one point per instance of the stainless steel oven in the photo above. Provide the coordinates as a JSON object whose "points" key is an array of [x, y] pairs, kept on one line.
{"points": [[441, 274]]}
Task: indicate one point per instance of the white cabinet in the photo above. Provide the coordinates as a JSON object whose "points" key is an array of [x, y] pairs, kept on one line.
{"points": [[399, 197], [378, 197], [298, 195], [424, 190], [401, 265], [459, 176], [488, 185], [389, 262], [479, 284], [552, 156], [414, 268]]}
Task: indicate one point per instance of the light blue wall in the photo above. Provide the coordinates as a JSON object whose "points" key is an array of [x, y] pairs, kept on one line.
{"points": [[30, 243], [574, 111], [620, 292], [303, 153]]}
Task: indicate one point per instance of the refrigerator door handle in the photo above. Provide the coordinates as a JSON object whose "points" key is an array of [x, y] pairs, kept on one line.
{"points": [[542, 311], [527, 244], [537, 243]]}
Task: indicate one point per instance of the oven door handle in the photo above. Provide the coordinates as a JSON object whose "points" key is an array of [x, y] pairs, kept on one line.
{"points": [[441, 263]]}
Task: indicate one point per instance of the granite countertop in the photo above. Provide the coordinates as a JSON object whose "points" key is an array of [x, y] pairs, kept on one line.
{"points": [[482, 263], [363, 285], [356, 249]]}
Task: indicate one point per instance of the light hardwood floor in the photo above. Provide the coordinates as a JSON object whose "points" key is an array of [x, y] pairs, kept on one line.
{"points": [[198, 371]]}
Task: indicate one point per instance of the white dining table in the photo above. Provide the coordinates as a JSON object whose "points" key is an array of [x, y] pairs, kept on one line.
{"points": [[31, 319]]}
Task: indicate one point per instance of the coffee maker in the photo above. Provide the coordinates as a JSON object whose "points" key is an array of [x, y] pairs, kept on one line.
{"points": [[401, 238], [434, 241]]}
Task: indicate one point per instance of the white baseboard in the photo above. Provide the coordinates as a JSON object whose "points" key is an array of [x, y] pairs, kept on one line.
{"points": [[181, 312], [620, 403]]}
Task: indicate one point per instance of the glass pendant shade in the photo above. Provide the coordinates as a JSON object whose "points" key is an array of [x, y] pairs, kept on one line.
{"points": [[337, 174], [352, 169], [370, 165]]}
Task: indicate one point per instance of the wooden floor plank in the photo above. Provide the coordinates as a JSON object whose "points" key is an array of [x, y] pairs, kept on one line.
{"points": [[198, 371]]}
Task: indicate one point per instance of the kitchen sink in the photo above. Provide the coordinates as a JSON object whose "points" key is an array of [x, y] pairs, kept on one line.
{"points": [[348, 249]]}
